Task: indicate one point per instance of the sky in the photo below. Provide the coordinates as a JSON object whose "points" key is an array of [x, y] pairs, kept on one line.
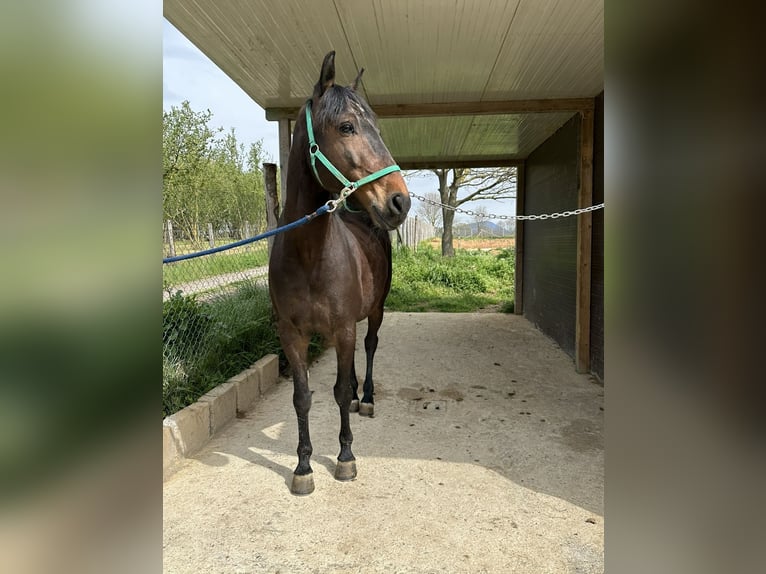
{"points": [[187, 74]]}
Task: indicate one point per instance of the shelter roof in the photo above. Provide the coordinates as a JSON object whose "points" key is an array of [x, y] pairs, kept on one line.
{"points": [[465, 82]]}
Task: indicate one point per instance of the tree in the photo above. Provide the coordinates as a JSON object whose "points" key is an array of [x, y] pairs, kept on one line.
{"points": [[186, 143], [509, 227], [207, 178], [430, 210], [477, 183], [480, 215]]}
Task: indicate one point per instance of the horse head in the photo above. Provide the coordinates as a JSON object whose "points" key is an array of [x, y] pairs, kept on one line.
{"points": [[345, 129]]}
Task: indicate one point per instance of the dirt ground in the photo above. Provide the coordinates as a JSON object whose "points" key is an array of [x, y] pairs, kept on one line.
{"points": [[483, 244], [485, 455]]}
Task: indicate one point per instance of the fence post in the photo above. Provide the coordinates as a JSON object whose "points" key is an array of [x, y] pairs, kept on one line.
{"points": [[272, 198], [246, 234], [210, 237], [171, 241], [415, 235]]}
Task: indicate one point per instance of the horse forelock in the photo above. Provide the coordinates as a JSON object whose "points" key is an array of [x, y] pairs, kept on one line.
{"points": [[339, 99]]}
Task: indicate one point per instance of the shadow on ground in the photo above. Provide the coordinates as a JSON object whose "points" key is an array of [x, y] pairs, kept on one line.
{"points": [[485, 444], [475, 389]]}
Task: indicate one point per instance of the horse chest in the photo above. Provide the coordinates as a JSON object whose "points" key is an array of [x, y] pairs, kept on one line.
{"points": [[340, 284]]}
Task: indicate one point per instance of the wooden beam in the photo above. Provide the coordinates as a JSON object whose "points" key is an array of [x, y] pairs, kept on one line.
{"points": [[444, 163], [584, 238], [458, 108], [285, 136], [518, 304]]}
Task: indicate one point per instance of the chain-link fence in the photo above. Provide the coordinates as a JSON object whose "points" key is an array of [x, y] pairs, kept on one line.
{"points": [[212, 275], [216, 311]]}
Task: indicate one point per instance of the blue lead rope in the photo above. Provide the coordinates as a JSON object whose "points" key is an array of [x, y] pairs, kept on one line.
{"points": [[297, 223]]}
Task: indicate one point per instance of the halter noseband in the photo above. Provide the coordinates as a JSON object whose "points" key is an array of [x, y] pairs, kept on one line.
{"points": [[349, 187]]}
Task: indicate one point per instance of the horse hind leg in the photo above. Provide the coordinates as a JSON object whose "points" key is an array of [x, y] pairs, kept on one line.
{"points": [[367, 406], [354, 406]]}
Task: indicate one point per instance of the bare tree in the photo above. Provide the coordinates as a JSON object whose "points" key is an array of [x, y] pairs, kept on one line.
{"points": [[430, 210], [480, 215], [475, 184], [509, 227]]}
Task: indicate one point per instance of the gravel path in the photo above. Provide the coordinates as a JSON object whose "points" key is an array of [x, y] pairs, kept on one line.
{"points": [[217, 281]]}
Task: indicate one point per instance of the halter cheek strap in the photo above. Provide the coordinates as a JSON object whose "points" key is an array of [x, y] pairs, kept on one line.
{"points": [[315, 154]]}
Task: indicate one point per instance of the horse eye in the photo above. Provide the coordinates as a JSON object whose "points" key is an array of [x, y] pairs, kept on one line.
{"points": [[346, 128]]}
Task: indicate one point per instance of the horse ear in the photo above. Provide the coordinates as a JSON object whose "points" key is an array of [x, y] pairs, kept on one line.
{"points": [[355, 85], [327, 75]]}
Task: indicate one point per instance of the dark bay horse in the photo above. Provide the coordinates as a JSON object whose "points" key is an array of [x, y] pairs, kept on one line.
{"points": [[334, 271]]}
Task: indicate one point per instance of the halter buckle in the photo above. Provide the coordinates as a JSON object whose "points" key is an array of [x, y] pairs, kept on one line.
{"points": [[332, 205]]}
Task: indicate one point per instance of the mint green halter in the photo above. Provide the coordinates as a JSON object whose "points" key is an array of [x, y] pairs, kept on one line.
{"points": [[349, 186]]}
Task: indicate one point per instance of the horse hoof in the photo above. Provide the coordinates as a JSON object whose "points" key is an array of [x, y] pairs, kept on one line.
{"points": [[354, 406], [366, 409], [302, 484], [345, 470]]}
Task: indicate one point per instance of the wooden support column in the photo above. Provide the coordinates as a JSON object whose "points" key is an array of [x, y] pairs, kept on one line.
{"points": [[272, 198], [518, 305], [284, 153], [584, 238]]}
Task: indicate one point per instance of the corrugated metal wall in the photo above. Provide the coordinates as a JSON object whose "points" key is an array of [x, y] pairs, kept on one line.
{"points": [[597, 249], [550, 246]]}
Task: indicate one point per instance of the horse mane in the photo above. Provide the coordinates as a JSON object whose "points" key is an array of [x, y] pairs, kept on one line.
{"points": [[336, 100]]}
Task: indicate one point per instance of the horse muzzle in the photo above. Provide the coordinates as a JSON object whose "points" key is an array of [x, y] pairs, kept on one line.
{"points": [[394, 210]]}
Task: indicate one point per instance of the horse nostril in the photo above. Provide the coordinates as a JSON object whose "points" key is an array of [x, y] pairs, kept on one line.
{"points": [[399, 203]]}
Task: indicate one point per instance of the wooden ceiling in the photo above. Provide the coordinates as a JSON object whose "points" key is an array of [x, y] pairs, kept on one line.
{"points": [[464, 82]]}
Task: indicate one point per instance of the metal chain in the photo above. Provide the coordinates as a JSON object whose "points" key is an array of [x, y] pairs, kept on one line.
{"points": [[516, 217]]}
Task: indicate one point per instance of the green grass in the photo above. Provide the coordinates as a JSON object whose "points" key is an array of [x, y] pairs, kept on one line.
{"points": [[212, 265], [204, 344], [423, 280]]}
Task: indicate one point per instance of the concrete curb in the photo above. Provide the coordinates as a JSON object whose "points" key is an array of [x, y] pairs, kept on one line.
{"points": [[187, 431]]}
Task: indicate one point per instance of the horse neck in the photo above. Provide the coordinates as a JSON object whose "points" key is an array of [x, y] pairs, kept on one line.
{"points": [[303, 195]]}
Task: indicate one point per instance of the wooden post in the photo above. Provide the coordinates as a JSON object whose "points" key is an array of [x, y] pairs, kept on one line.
{"points": [[272, 198], [210, 237], [584, 238], [284, 153], [171, 240], [518, 304]]}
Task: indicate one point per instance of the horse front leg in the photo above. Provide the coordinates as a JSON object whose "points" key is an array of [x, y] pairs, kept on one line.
{"points": [[346, 467], [296, 350], [367, 406], [303, 475]]}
